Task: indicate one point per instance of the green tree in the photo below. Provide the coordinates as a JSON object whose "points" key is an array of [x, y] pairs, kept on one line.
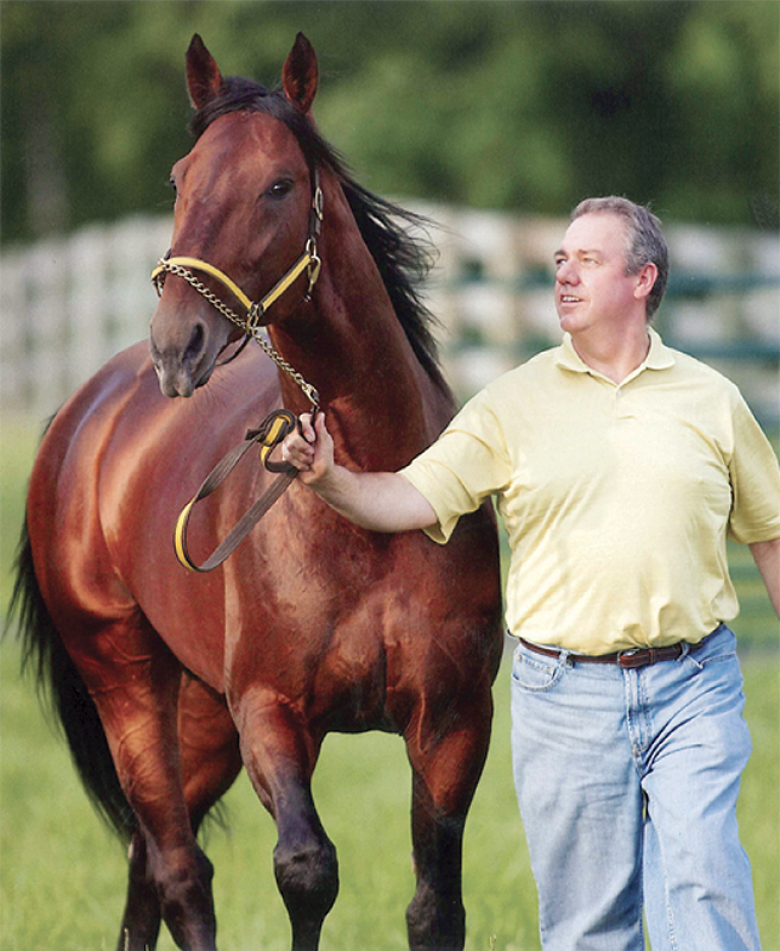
{"points": [[523, 105]]}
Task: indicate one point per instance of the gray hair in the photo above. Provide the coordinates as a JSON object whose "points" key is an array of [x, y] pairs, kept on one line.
{"points": [[646, 243]]}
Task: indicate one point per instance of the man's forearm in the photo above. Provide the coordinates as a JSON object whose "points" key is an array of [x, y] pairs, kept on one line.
{"points": [[767, 557], [379, 501]]}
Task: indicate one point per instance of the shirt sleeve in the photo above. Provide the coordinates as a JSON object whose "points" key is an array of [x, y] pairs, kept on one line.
{"points": [[468, 463], [755, 481]]}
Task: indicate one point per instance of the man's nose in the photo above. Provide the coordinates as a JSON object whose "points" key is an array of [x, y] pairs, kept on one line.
{"points": [[567, 273]]}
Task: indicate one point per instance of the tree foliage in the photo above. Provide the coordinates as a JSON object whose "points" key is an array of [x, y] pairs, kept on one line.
{"points": [[507, 104]]}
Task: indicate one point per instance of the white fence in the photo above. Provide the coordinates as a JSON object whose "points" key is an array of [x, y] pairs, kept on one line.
{"points": [[67, 305]]}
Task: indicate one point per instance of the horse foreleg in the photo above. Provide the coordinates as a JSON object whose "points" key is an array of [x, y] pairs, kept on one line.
{"points": [[208, 748], [436, 918], [305, 866], [166, 863], [135, 690], [445, 774], [142, 918], [210, 762], [280, 757]]}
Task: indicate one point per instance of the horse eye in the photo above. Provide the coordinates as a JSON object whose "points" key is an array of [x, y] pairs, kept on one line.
{"points": [[280, 189]]}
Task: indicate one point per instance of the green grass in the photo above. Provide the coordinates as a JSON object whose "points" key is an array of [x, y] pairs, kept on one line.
{"points": [[62, 874]]}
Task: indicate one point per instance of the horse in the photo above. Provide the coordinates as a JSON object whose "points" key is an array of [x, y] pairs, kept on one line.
{"points": [[167, 681]]}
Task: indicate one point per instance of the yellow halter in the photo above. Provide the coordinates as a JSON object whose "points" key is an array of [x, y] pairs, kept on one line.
{"points": [[309, 261]]}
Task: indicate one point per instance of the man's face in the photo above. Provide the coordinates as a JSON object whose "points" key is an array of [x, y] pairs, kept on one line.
{"points": [[591, 284]]}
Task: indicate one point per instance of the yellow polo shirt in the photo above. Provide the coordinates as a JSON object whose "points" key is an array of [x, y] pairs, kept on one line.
{"points": [[617, 499]]}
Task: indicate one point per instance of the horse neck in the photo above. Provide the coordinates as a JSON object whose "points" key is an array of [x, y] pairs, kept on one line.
{"points": [[381, 405]]}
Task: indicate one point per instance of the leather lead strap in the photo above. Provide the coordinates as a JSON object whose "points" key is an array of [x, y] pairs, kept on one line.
{"points": [[271, 432]]}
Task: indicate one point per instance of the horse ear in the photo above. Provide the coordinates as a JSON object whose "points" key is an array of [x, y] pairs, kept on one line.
{"points": [[299, 76], [203, 76]]}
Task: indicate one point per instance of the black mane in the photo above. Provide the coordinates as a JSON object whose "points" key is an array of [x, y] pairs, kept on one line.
{"points": [[402, 258]]}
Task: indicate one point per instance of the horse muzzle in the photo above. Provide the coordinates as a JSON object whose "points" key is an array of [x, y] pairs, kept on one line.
{"points": [[183, 365]]}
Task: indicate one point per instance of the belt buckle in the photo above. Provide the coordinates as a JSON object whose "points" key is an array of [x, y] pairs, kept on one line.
{"points": [[630, 659]]}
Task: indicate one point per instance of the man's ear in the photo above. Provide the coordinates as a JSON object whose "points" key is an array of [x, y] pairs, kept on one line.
{"points": [[645, 280]]}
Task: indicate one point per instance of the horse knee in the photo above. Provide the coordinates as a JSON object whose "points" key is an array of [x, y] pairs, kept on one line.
{"points": [[308, 878]]}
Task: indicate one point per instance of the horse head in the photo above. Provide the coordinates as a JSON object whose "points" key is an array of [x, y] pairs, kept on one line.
{"points": [[243, 214]]}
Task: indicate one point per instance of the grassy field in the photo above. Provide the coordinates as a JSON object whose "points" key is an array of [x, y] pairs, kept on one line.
{"points": [[62, 875]]}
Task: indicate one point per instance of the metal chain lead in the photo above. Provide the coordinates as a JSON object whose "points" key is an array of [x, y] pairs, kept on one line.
{"points": [[255, 332]]}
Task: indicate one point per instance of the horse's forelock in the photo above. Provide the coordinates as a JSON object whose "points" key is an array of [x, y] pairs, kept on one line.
{"points": [[239, 94], [236, 93]]}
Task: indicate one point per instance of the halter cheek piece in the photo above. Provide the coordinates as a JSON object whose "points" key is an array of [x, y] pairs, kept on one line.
{"points": [[277, 424]]}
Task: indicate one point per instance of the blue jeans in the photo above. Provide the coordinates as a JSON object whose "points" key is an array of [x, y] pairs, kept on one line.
{"points": [[627, 782]]}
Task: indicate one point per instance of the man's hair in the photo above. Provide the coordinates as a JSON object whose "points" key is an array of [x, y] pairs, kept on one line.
{"points": [[646, 242]]}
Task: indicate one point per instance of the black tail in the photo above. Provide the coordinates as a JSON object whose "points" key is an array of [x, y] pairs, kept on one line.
{"points": [[61, 689]]}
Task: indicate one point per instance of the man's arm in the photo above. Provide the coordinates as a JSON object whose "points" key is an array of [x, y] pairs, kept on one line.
{"points": [[379, 501], [767, 557]]}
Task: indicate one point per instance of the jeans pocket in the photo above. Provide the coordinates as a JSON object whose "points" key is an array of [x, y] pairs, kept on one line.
{"points": [[720, 647], [535, 675]]}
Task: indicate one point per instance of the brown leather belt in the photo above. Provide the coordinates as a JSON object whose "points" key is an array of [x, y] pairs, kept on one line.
{"points": [[628, 659]]}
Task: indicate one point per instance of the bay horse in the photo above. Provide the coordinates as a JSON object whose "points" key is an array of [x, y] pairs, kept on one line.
{"points": [[169, 681]]}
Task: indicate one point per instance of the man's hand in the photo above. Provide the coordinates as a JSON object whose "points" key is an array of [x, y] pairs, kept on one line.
{"points": [[310, 450], [379, 501]]}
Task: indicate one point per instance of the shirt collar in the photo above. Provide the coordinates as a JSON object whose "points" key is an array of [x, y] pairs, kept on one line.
{"points": [[659, 357]]}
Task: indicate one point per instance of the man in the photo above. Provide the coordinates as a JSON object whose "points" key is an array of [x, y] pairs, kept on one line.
{"points": [[619, 467]]}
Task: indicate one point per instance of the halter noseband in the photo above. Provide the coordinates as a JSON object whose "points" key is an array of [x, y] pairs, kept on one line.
{"points": [[309, 261]]}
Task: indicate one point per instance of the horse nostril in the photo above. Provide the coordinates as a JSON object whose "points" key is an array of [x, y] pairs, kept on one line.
{"points": [[195, 347]]}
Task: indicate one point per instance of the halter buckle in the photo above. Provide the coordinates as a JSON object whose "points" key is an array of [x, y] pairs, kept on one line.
{"points": [[317, 201], [314, 266]]}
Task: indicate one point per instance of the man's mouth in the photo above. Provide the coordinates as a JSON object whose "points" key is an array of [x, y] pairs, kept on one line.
{"points": [[569, 299]]}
